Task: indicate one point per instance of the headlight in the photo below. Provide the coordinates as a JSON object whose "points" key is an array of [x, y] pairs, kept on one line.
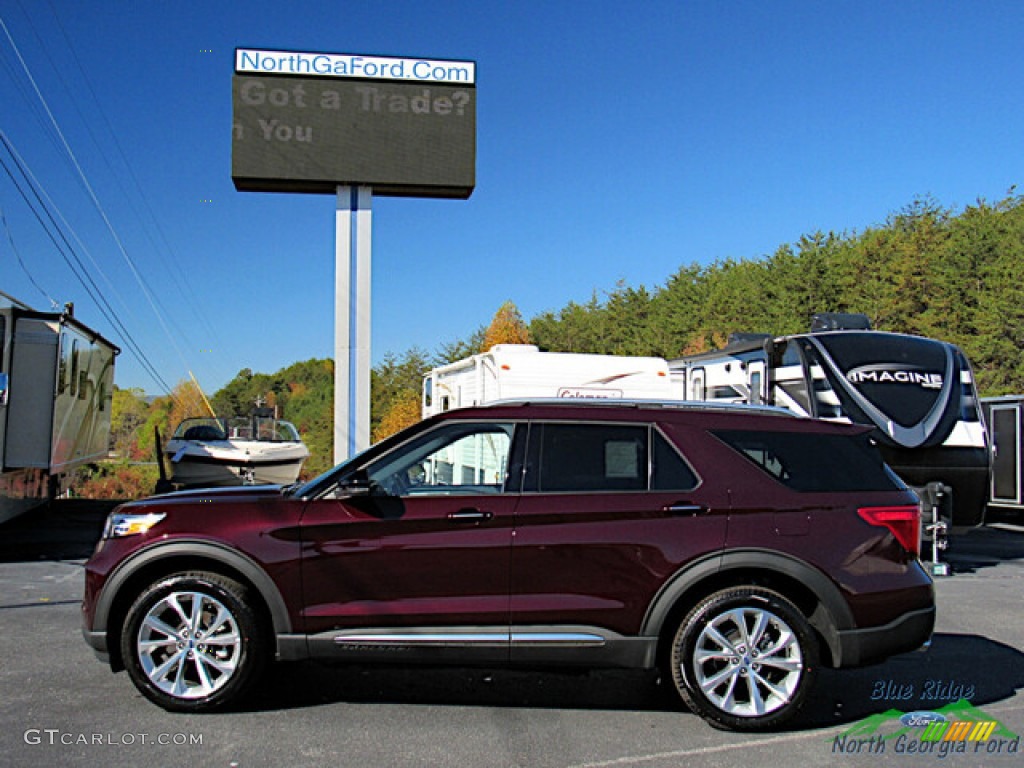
{"points": [[121, 524]]}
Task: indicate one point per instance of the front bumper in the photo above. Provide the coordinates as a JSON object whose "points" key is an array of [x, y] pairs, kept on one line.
{"points": [[98, 642]]}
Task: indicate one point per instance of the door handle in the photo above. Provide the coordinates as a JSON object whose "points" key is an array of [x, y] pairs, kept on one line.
{"points": [[469, 515], [685, 508]]}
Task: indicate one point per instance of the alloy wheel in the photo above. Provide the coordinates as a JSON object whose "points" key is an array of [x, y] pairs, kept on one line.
{"points": [[189, 645]]}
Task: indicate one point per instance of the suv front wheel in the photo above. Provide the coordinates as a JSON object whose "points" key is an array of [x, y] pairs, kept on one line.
{"points": [[192, 642], [744, 658]]}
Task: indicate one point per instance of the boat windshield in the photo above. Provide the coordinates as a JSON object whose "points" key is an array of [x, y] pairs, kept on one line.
{"points": [[262, 428], [200, 429]]}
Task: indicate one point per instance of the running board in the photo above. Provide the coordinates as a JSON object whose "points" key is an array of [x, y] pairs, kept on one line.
{"points": [[472, 639], [564, 645]]}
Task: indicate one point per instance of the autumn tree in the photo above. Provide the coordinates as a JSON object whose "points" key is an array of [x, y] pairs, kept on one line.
{"points": [[507, 327], [403, 411]]}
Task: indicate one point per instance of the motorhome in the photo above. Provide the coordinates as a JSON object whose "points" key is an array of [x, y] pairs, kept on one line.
{"points": [[513, 371], [56, 392], [917, 393]]}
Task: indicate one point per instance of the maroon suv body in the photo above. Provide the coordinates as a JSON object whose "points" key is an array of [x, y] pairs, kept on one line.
{"points": [[738, 547]]}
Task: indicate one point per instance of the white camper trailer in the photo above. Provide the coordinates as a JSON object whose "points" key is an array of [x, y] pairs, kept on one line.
{"points": [[516, 371], [56, 391], [917, 393]]}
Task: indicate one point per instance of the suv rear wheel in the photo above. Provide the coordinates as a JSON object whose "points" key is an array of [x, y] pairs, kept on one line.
{"points": [[744, 658], [191, 642]]}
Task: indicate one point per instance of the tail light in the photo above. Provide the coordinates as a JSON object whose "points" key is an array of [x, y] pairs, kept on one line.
{"points": [[904, 522]]}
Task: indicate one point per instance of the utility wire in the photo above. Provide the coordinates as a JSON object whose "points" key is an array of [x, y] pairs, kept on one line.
{"points": [[78, 271], [21, 261], [172, 264], [73, 259], [95, 200], [37, 185]]}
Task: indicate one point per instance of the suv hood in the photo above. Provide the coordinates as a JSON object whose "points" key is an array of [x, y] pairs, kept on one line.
{"points": [[240, 492]]}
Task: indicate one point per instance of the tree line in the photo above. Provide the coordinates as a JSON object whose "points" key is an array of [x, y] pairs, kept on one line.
{"points": [[926, 270]]}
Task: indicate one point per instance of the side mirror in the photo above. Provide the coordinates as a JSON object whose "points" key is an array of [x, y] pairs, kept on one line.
{"points": [[356, 484]]}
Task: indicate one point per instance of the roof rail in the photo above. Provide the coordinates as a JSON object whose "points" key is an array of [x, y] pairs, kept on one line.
{"points": [[612, 402]]}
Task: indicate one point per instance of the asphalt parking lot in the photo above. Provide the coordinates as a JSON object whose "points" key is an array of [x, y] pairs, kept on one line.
{"points": [[59, 706]]}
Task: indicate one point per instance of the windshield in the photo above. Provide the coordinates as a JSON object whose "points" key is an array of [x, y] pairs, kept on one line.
{"points": [[200, 429], [262, 428], [324, 482]]}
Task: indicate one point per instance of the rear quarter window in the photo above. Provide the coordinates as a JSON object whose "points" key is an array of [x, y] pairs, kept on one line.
{"points": [[812, 462]]}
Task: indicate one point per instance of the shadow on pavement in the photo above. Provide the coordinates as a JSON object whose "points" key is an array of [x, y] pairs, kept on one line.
{"points": [[60, 530], [951, 670], [307, 684], [987, 546], [956, 667]]}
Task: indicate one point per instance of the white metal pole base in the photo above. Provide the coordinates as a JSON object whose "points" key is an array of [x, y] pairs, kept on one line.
{"points": [[352, 241]]}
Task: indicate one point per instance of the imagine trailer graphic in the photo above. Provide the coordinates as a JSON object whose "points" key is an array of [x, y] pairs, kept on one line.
{"points": [[957, 728]]}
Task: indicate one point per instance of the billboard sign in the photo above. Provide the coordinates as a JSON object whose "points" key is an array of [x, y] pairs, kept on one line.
{"points": [[309, 122]]}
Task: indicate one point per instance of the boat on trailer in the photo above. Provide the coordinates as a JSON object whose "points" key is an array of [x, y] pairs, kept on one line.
{"points": [[256, 450]]}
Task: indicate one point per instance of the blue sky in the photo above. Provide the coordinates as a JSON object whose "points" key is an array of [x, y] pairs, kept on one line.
{"points": [[616, 141]]}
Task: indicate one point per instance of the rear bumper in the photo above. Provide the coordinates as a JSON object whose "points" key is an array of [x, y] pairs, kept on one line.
{"points": [[909, 632]]}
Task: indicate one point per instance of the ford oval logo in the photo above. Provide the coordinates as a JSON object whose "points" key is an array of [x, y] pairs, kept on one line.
{"points": [[921, 719]]}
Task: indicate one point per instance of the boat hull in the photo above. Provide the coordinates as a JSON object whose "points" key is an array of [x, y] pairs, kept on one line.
{"points": [[196, 464]]}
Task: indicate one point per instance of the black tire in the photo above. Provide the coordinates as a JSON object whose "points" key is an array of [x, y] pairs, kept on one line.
{"points": [[731, 685], [193, 642]]}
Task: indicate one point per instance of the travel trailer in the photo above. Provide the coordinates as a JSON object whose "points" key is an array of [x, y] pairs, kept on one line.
{"points": [[1004, 417], [917, 393], [56, 392], [515, 371]]}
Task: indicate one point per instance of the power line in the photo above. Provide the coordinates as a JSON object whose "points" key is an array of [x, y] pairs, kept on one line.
{"points": [[21, 261], [171, 265], [95, 200], [73, 261]]}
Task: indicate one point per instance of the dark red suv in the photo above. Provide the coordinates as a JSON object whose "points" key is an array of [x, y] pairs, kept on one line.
{"points": [[737, 547]]}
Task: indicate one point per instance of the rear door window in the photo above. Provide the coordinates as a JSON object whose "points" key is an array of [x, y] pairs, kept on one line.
{"points": [[669, 471], [588, 457], [604, 457]]}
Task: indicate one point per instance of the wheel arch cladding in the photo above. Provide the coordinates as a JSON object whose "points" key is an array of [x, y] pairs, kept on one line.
{"points": [[812, 591], [146, 566]]}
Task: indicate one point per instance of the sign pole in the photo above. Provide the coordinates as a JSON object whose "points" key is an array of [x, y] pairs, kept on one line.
{"points": [[352, 252], [330, 123]]}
